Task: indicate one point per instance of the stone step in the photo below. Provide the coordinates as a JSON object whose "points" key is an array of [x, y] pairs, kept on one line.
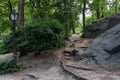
{"points": [[68, 58]]}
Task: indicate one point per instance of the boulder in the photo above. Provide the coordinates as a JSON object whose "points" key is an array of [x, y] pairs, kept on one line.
{"points": [[105, 49], [101, 25], [6, 57]]}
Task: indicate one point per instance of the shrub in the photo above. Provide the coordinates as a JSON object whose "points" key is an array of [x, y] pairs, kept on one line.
{"points": [[37, 37], [7, 67], [2, 47], [90, 19]]}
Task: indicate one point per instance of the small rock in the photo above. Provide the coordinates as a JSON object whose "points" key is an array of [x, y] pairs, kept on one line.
{"points": [[32, 76]]}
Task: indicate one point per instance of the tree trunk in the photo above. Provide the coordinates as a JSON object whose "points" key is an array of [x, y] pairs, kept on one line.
{"points": [[23, 52], [83, 14], [98, 13], [72, 26], [66, 16], [21, 13], [98, 10], [116, 5], [66, 32], [21, 21], [10, 8], [103, 7], [66, 27], [102, 10]]}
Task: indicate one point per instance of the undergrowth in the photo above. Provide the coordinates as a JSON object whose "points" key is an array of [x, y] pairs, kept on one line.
{"points": [[9, 67]]}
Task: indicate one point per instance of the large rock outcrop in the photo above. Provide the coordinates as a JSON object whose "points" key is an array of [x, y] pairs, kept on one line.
{"points": [[105, 49], [98, 27]]}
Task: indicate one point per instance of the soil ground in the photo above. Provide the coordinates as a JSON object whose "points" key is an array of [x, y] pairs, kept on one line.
{"points": [[49, 66], [42, 67], [37, 68]]}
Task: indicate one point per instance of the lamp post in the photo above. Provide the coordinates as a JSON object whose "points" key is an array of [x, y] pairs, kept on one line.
{"points": [[14, 15]]}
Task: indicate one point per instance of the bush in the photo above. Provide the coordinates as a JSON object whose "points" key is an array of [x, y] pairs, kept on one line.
{"points": [[2, 47], [37, 37], [7, 67], [90, 19]]}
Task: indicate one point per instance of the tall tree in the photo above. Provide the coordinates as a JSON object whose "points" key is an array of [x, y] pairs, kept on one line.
{"points": [[103, 7], [5, 10], [72, 25], [83, 14], [10, 7], [21, 13], [65, 2], [116, 5], [98, 9]]}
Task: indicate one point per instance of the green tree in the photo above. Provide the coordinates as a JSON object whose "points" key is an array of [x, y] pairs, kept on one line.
{"points": [[83, 13], [6, 7], [21, 13], [66, 12]]}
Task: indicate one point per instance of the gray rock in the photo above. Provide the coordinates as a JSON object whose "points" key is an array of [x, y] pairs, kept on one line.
{"points": [[6, 57], [101, 25], [106, 47]]}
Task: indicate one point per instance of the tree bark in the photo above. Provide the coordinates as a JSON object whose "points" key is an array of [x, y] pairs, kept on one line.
{"points": [[83, 14], [66, 20], [66, 32], [103, 7], [116, 5], [98, 10], [10, 8], [102, 10], [21, 21], [66, 27], [21, 13], [72, 26], [98, 13]]}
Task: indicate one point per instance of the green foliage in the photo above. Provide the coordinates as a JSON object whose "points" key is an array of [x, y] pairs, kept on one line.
{"points": [[40, 36], [4, 24], [2, 47], [90, 19], [63, 10], [107, 12], [3, 37], [41, 8], [6, 44], [5, 10], [8, 67]]}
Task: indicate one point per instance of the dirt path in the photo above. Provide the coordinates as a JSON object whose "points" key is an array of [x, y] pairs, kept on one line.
{"points": [[43, 67], [39, 69]]}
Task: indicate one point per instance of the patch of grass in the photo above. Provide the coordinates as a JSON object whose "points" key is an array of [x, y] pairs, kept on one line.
{"points": [[8, 67]]}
